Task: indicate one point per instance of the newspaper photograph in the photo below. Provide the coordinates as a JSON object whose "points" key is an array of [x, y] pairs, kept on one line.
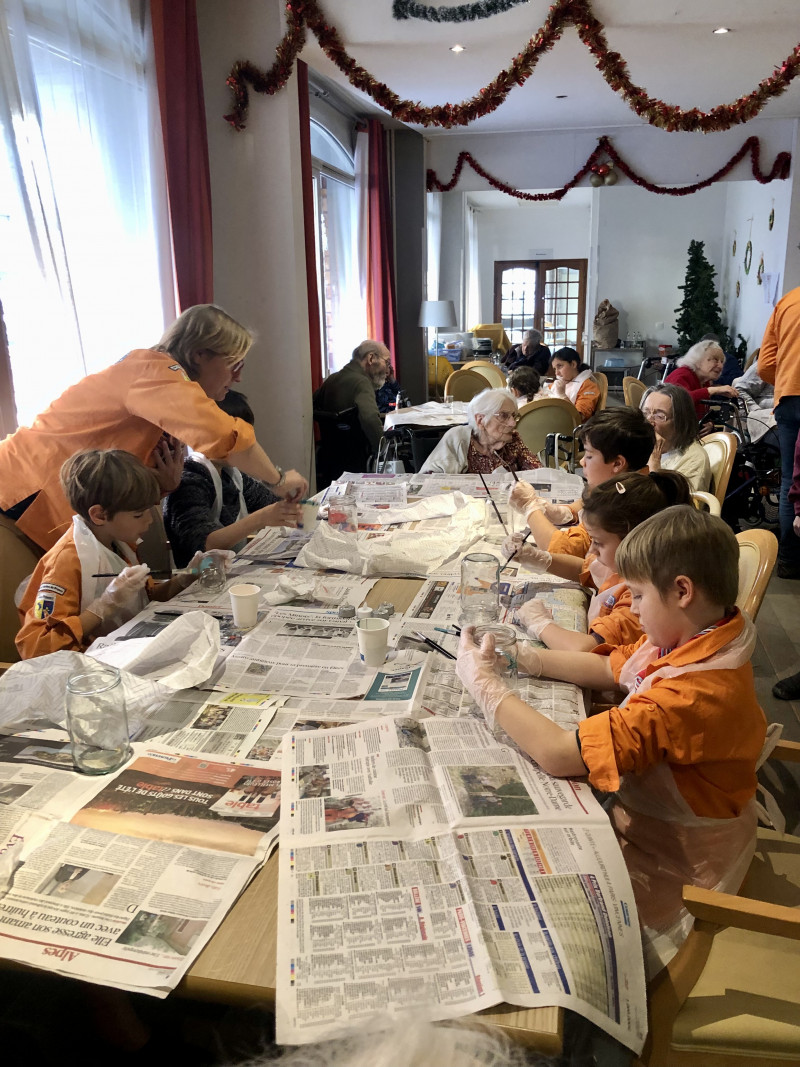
{"points": [[434, 871]]}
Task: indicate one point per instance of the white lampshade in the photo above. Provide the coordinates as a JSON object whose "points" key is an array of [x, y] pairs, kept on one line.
{"points": [[437, 313]]}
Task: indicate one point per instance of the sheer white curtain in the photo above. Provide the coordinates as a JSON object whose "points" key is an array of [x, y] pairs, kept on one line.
{"points": [[80, 267], [433, 231], [347, 323], [473, 287]]}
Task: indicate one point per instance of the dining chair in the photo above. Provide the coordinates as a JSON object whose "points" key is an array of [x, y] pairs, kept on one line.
{"points": [[633, 390], [602, 381], [18, 558], [342, 445], [464, 384], [439, 370], [549, 417], [706, 502], [731, 995], [758, 550], [721, 449], [490, 371]]}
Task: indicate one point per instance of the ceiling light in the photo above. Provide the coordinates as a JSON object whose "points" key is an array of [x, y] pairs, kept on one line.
{"points": [[457, 48], [561, 96], [722, 29]]}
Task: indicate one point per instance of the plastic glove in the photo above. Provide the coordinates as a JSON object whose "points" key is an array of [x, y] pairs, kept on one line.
{"points": [[535, 559], [524, 499], [535, 617], [796, 525], [559, 514], [475, 668], [528, 660], [120, 596]]}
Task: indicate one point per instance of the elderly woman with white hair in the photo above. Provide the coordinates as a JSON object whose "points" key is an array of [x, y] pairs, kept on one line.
{"points": [[488, 441], [697, 371]]}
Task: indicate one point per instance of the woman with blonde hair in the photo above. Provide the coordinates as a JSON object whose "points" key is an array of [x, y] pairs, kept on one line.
{"points": [[150, 403]]}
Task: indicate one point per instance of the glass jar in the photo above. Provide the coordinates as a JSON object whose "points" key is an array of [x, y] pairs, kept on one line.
{"points": [[480, 588], [505, 646], [96, 719]]}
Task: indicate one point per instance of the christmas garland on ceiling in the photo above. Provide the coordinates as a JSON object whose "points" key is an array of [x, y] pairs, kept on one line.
{"points": [[307, 13], [482, 9], [604, 157]]}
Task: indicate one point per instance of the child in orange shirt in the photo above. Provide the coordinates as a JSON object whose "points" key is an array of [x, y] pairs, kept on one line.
{"points": [[610, 512], [679, 751]]}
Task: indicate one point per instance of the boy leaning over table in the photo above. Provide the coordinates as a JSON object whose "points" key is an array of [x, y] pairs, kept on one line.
{"points": [[678, 754], [91, 581]]}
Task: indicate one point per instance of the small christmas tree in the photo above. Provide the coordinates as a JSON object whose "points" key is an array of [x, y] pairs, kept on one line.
{"points": [[699, 312]]}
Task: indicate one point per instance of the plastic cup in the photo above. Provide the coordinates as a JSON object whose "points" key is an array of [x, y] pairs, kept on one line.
{"points": [[96, 719], [244, 602], [373, 640], [308, 516], [448, 402]]}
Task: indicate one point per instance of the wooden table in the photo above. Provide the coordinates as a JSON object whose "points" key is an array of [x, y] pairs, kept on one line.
{"points": [[238, 966]]}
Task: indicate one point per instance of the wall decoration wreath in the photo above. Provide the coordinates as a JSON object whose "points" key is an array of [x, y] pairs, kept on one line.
{"points": [[748, 257], [772, 218], [760, 272]]}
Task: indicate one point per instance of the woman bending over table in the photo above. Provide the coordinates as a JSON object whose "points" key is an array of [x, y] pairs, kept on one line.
{"points": [[697, 371], [575, 382], [670, 411], [488, 441], [170, 389]]}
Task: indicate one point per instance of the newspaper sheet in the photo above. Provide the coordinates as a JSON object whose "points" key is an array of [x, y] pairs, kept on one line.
{"points": [[125, 877], [428, 871]]}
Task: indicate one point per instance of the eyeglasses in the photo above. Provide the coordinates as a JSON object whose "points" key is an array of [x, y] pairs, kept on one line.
{"points": [[506, 416], [237, 367], [656, 416]]}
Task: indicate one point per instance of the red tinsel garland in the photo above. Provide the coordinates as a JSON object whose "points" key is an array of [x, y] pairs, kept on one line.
{"points": [[605, 150], [306, 13]]}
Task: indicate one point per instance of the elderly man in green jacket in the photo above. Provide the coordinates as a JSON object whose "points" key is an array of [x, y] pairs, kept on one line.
{"points": [[355, 386]]}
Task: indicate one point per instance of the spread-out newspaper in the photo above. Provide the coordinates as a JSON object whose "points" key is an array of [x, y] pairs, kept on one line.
{"points": [[429, 870], [122, 879]]}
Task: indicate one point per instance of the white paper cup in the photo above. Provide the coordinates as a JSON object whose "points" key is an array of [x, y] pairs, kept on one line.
{"points": [[373, 640], [244, 601], [309, 514]]}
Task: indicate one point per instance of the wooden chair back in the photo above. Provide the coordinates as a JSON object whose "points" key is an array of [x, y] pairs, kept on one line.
{"points": [[490, 371], [731, 996], [18, 558], [758, 550], [633, 390], [602, 381], [706, 502], [550, 415], [721, 449], [439, 370], [464, 384]]}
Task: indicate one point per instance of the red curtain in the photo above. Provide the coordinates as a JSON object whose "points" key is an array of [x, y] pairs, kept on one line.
{"points": [[381, 311], [309, 228], [183, 122]]}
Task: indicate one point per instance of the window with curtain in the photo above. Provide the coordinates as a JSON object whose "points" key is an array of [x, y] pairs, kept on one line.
{"points": [[81, 262], [342, 305]]}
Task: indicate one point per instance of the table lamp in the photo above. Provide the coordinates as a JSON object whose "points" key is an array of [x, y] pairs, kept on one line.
{"points": [[437, 313]]}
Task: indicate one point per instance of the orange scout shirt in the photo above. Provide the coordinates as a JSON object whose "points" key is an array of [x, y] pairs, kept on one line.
{"points": [[127, 406], [779, 358], [51, 605], [614, 623], [587, 398], [706, 725], [570, 541]]}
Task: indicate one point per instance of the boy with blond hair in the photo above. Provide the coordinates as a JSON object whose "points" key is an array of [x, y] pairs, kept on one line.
{"points": [[679, 751], [70, 598]]}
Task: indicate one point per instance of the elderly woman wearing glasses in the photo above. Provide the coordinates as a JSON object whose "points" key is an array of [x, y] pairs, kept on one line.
{"points": [[697, 371], [488, 441], [150, 403], [670, 411]]}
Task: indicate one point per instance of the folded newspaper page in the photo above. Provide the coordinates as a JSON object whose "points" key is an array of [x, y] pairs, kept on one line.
{"points": [[429, 871], [124, 878]]}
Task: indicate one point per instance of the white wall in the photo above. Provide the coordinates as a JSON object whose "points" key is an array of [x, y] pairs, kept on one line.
{"points": [[642, 253], [747, 218], [259, 257], [527, 231]]}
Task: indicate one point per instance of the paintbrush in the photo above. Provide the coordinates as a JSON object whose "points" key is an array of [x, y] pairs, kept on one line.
{"points": [[433, 644], [491, 498], [524, 539]]}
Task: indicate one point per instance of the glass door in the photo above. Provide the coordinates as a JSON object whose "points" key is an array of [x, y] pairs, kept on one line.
{"points": [[547, 295]]}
